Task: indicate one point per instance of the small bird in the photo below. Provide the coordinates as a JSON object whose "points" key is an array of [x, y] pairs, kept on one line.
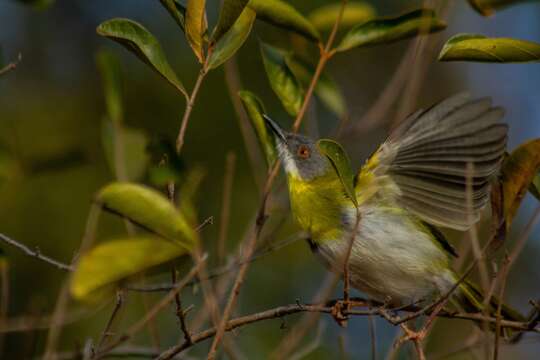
{"points": [[415, 182]]}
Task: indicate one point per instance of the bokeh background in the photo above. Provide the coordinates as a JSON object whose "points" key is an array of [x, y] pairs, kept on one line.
{"points": [[51, 113]]}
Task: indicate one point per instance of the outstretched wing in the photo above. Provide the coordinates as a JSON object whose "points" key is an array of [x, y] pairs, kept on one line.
{"points": [[424, 162]]}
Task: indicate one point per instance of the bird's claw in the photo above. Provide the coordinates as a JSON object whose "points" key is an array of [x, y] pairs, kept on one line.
{"points": [[339, 312]]}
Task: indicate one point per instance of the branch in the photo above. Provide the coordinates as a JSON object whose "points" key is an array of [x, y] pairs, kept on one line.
{"points": [[35, 253], [11, 65], [381, 311]]}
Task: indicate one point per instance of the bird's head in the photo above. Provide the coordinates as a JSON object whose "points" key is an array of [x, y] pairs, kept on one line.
{"points": [[300, 155]]}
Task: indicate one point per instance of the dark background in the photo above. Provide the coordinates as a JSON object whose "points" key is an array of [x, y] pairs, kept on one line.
{"points": [[51, 108]]}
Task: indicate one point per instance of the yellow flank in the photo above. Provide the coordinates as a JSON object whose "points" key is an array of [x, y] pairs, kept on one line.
{"points": [[317, 205]]}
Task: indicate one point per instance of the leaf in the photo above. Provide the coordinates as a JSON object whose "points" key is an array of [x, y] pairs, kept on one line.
{"points": [[488, 7], [109, 67], [176, 10], [233, 39], [134, 37], [385, 30], [517, 173], [228, 16], [282, 80], [196, 26], [148, 208], [255, 110], [326, 89], [324, 17], [339, 159], [115, 260], [534, 188], [473, 47], [282, 14], [134, 149]]}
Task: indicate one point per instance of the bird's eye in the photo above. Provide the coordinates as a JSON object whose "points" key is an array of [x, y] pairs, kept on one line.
{"points": [[303, 152]]}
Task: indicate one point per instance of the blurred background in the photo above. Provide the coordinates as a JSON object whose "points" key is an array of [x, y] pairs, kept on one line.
{"points": [[52, 162]]}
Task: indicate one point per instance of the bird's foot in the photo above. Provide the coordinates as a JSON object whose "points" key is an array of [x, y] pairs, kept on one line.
{"points": [[340, 312]]}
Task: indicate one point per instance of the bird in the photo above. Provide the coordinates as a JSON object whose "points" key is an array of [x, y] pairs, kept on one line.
{"points": [[433, 171]]}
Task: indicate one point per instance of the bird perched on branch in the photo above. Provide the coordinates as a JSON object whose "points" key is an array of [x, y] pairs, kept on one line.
{"points": [[416, 181]]}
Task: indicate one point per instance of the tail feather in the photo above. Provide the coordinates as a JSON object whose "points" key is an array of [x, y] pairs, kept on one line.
{"points": [[471, 299]]}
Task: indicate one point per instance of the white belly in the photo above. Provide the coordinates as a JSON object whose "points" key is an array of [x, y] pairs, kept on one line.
{"points": [[391, 260]]}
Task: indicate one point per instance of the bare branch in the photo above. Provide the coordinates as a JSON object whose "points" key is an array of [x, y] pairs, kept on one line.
{"points": [[36, 253]]}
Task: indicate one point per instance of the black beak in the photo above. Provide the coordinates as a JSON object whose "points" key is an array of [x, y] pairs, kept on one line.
{"points": [[276, 129]]}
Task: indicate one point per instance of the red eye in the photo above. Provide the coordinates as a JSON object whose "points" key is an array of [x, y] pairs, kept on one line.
{"points": [[303, 152]]}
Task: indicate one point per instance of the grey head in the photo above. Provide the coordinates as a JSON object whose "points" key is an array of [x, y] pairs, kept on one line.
{"points": [[299, 154]]}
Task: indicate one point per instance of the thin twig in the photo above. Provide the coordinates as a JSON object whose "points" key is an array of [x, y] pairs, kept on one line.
{"points": [[36, 253], [106, 332], [135, 328], [499, 308], [180, 313], [230, 163], [11, 65], [328, 308], [234, 85], [373, 337]]}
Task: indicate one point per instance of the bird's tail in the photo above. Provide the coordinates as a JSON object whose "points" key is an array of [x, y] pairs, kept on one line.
{"points": [[470, 299]]}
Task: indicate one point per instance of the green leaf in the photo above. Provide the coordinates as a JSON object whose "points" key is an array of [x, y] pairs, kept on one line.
{"points": [[390, 29], [228, 16], [282, 14], [233, 39], [339, 159], [282, 79], [326, 89], [134, 143], [356, 12], [473, 47], [196, 26], [148, 208], [134, 37], [488, 7], [109, 67], [255, 110], [115, 260], [176, 10], [517, 173]]}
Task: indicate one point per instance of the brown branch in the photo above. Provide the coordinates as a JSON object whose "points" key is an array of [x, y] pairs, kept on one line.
{"points": [[327, 308], [11, 65], [36, 253], [106, 332], [135, 328], [230, 164], [180, 313]]}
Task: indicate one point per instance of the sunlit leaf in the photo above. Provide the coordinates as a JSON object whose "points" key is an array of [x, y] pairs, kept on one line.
{"points": [[473, 47], [109, 67], [230, 11], [282, 14], [177, 11], [233, 39], [339, 159], [115, 260], [390, 29], [143, 44], [518, 172], [133, 151], [282, 79], [196, 26], [148, 208], [326, 89], [356, 12], [488, 7], [255, 110]]}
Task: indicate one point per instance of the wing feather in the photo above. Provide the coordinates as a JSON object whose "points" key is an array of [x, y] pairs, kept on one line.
{"points": [[427, 158]]}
